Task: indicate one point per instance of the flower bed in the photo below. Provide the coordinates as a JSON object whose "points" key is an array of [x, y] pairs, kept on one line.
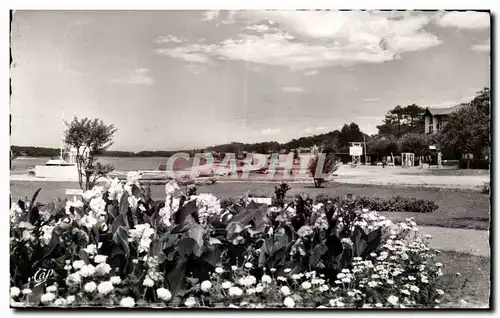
{"points": [[118, 247]]}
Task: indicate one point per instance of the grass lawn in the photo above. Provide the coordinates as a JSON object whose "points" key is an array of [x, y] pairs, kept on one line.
{"points": [[457, 209], [473, 285]]}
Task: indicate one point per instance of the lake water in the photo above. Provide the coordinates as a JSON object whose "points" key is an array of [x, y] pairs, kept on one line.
{"points": [[21, 165]]}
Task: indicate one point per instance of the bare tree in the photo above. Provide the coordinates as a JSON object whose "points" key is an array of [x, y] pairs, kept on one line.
{"points": [[90, 137]]}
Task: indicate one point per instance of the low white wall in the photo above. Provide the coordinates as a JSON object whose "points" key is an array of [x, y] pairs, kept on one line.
{"points": [[60, 172]]}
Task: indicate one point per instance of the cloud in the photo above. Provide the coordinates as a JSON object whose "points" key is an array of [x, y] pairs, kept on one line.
{"points": [[313, 39], [310, 130], [210, 15], [261, 28], [481, 47], [169, 39], [370, 100], [292, 89], [136, 77], [270, 131], [196, 69], [464, 20], [198, 53], [311, 73]]}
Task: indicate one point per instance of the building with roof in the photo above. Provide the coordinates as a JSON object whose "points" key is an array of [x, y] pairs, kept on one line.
{"points": [[436, 118]]}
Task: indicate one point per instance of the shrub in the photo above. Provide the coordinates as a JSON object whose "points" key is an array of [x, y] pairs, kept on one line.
{"points": [[475, 164], [118, 247], [395, 204], [330, 165]]}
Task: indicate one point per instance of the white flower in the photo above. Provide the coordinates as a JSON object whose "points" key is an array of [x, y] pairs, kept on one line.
{"points": [[306, 285], [133, 202], [288, 270], [414, 288], [78, 264], [440, 291], [164, 294], [90, 287], [233, 267], [91, 249], [14, 292], [226, 285], [51, 289], [88, 270], [60, 302], [304, 231], [249, 280], [127, 302], [235, 291], [100, 259], [70, 299], [102, 269], [266, 279], [424, 279], [289, 302], [47, 234], [190, 302], [347, 241], [406, 292], [206, 285], [148, 282], [378, 305], [248, 265], [26, 291], [133, 177], [27, 236], [170, 187], [393, 300], [115, 280], [285, 290], [219, 270], [105, 288], [259, 288], [47, 298]]}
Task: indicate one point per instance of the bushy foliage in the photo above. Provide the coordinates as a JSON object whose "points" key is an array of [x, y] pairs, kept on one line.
{"points": [[329, 165], [119, 247], [394, 204]]}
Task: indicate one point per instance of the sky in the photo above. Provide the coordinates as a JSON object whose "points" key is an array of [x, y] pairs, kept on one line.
{"points": [[170, 80]]}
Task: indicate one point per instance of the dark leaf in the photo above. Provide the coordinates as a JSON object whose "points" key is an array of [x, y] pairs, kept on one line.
{"points": [[124, 206], [186, 246], [180, 229], [112, 211], [136, 191], [334, 245], [316, 254], [188, 209], [196, 233], [119, 221], [372, 242], [54, 242], [212, 257], [120, 237], [359, 241], [83, 256], [174, 279]]}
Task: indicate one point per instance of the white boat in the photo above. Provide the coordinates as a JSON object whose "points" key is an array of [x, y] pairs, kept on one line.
{"points": [[59, 168]]}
